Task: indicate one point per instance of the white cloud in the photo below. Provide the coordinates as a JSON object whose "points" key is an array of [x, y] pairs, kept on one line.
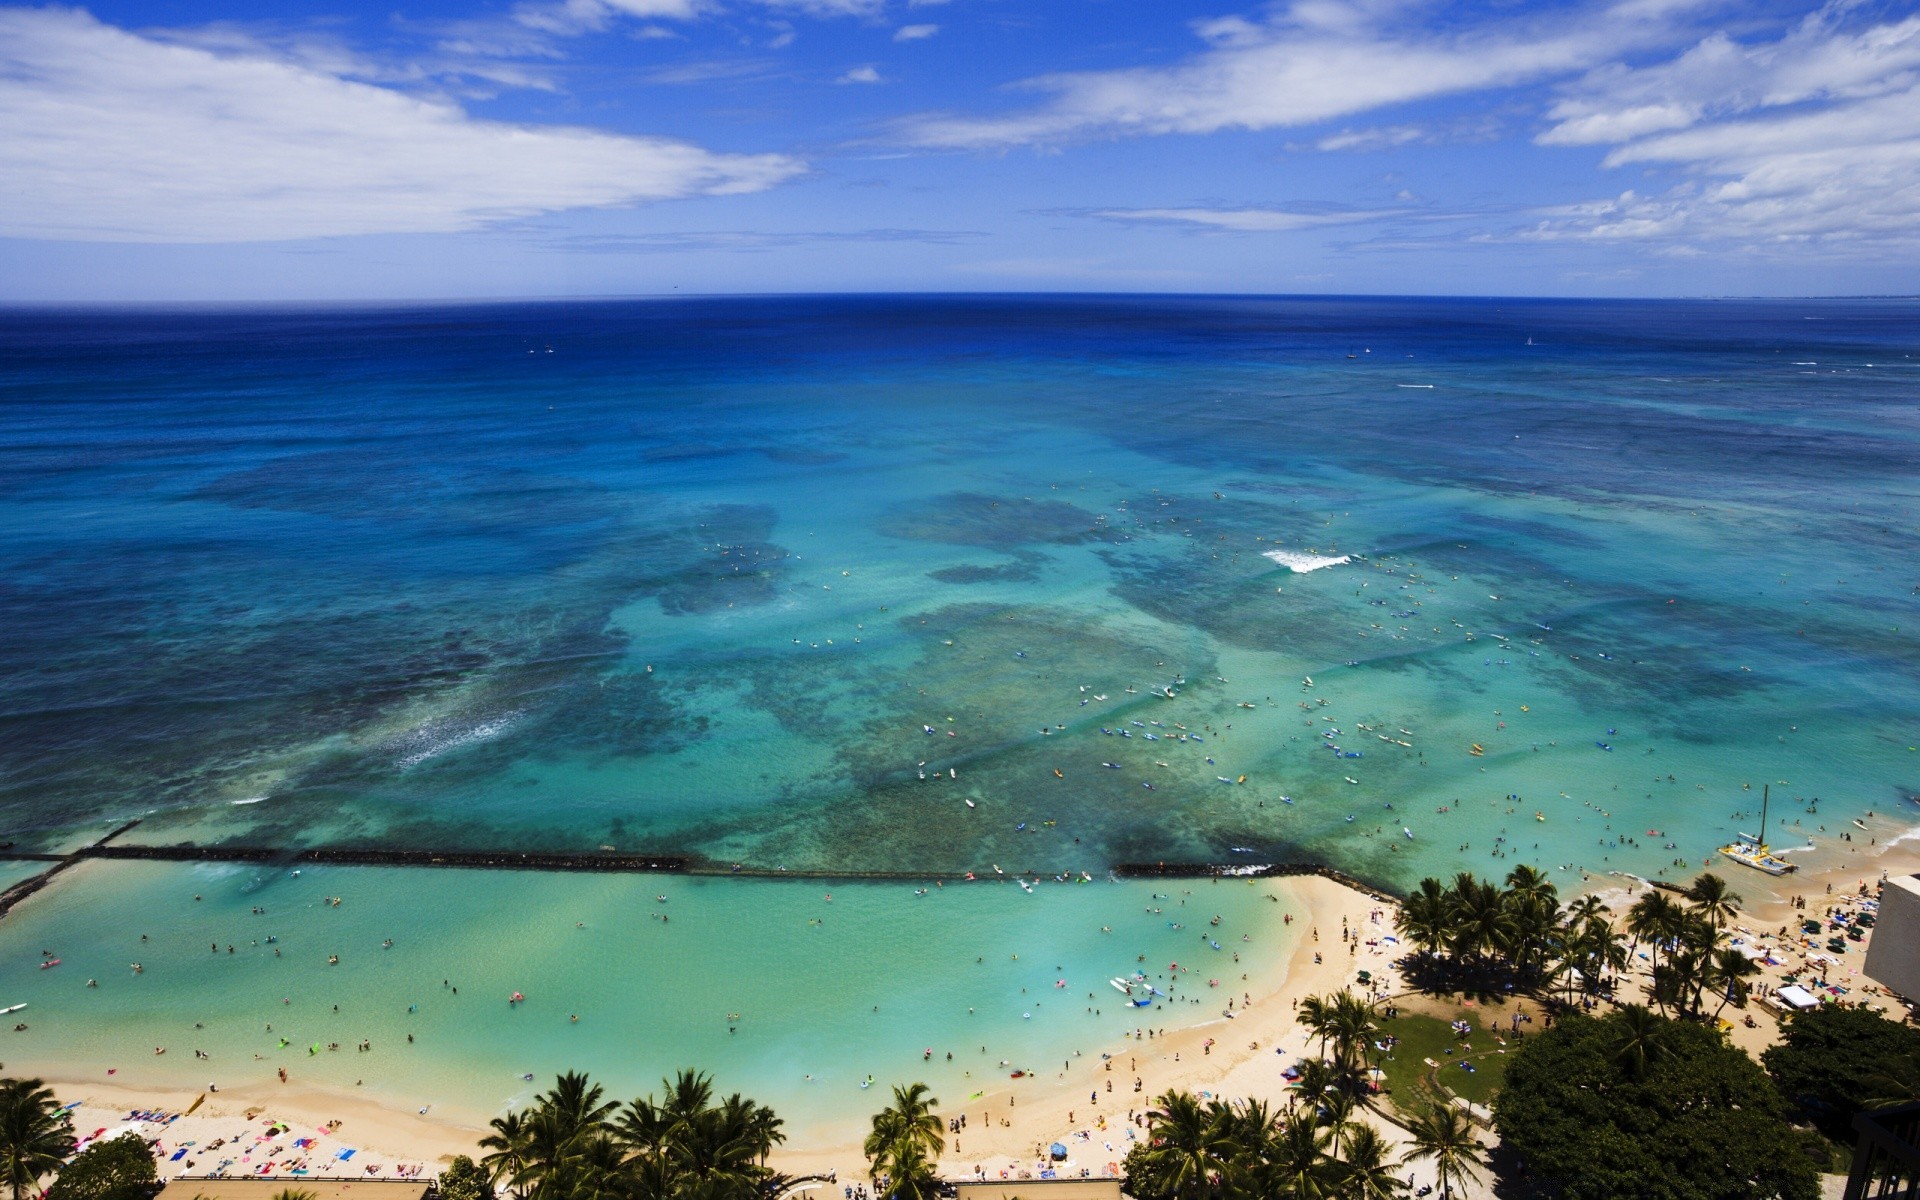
{"points": [[109, 136], [1813, 136], [865, 74], [1314, 61], [1372, 139], [1241, 220], [914, 33], [568, 18], [1813, 62]]}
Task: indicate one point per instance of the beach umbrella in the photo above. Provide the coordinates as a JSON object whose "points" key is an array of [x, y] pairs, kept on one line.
{"points": [[1057, 1150]]}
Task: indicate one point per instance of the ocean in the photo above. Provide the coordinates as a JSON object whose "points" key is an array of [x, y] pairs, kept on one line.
{"points": [[930, 585]]}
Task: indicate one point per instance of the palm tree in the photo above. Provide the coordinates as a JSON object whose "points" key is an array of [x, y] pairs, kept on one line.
{"points": [[1712, 899], [911, 1174], [1295, 1162], [1193, 1144], [1534, 925], [507, 1144], [36, 1134], [1316, 1017], [1424, 916], [1482, 925], [1532, 882], [1654, 918], [1442, 1133], [1730, 972], [1639, 1038], [686, 1147], [1351, 1026], [1582, 909], [1362, 1170], [908, 1121], [906, 1139], [575, 1102]]}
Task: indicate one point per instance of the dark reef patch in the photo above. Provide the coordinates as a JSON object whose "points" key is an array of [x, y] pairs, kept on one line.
{"points": [[994, 522], [1025, 568]]}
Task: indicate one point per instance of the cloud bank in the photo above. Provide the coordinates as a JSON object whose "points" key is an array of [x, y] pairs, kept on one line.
{"points": [[1810, 137], [110, 136], [1315, 61]]}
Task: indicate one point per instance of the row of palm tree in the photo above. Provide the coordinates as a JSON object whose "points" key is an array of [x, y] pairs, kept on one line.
{"points": [[574, 1144], [1689, 965], [36, 1135], [1477, 934], [1228, 1151]]}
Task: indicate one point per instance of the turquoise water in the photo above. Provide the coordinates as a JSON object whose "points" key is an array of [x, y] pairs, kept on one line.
{"points": [[699, 576], [862, 984], [891, 584]]}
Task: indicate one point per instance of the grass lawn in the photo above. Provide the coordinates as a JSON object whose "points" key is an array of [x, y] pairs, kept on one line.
{"points": [[1422, 1037]]}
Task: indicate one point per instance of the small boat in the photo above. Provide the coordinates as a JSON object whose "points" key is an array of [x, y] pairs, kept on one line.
{"points": [[14, 1009], [1751, 850], [1121, 984], [1859, 824], [970, 804], [52, 962], [1350, 779], [1057, 774], [1408, 832], [1476, 750]]}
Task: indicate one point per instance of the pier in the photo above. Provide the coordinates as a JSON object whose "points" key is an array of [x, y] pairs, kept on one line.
{"points": [[605, 860]]}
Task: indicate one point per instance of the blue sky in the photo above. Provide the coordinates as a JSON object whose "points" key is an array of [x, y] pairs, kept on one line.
{"points": [[341, 149]]}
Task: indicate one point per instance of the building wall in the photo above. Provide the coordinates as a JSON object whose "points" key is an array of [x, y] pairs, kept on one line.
{"points": [[1893, 952]]}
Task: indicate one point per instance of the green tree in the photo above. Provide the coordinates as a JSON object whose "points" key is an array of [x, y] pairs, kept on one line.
{"points": [[1192, 1146], [507, 1148], [905, 1142], [1364, 1167], [1443, 1134], [1635, 1105], [1713, 899], [119, 1168], [36, 1135], [1295, 1162], [464, 1179], [1833, 1062]]}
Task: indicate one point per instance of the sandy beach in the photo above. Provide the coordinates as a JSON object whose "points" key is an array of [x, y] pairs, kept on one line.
{"points": [[1091, 1101], [1239, 1048]]}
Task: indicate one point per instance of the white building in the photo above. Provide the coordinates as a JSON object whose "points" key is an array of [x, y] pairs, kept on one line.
{"points": [[1893, 953]]}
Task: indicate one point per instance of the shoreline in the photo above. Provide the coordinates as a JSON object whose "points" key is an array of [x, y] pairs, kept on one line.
{"points": [[1087, 1104], [1006, 1118]]}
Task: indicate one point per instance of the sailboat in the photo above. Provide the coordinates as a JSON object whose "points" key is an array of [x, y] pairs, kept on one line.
{"points": [[1751, 850]]}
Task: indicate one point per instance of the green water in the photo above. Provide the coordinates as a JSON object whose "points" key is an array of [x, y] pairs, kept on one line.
{"points": [[862, 984]]}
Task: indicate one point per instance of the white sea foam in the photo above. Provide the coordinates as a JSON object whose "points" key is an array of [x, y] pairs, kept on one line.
{"points": [[1300, 563], [248, 800], [438, 739]]}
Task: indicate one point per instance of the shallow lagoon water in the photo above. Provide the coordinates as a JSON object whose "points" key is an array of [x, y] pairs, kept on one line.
{"points": [[763, 983]]}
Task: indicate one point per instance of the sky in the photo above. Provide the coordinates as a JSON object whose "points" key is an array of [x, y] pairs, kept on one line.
{"points": [[196, 150]]}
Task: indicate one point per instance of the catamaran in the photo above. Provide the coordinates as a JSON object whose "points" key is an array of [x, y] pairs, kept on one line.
{"points": [[1751, 850]]}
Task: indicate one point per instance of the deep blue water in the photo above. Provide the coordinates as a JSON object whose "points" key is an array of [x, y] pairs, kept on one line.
{"points": [[699, 575]]}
